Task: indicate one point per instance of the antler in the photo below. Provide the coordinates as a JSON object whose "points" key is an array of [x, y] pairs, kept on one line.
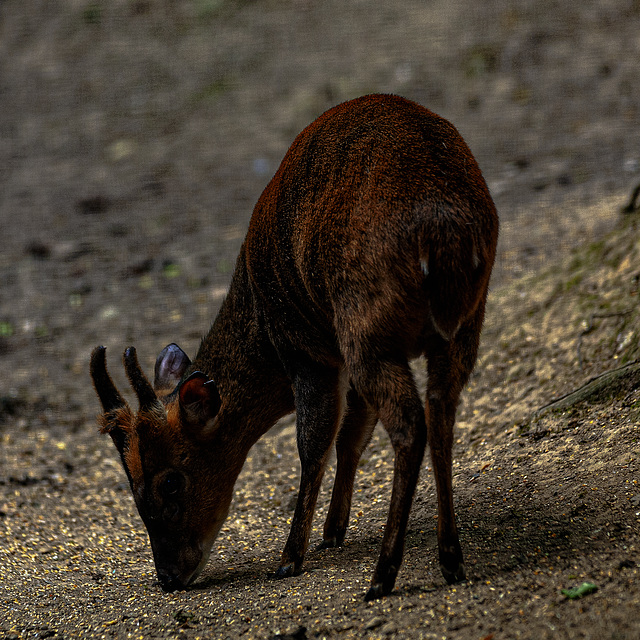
{"points": [[146, 395], [107, 392]]}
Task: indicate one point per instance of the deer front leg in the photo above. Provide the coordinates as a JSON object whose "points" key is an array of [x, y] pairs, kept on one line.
{"points": [[320, 400]]}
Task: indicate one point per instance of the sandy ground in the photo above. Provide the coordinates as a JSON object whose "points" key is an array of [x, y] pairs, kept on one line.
{"points": [[135, 137]]}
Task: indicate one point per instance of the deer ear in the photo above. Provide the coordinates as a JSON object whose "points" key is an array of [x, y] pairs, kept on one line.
{"points": [[171, 365], [199, 403]]}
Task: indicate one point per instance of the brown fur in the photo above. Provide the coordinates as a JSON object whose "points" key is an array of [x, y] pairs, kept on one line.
{"points": [[372, 244]]}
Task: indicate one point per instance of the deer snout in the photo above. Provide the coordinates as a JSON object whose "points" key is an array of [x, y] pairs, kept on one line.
{"points": [[176, 568], [169, 582]]}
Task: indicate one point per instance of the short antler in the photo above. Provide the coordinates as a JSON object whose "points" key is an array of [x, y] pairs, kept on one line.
{"points": [[146, 395], [107, 392]]}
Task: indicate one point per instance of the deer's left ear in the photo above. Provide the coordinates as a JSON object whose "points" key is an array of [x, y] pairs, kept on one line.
{"points": [[171, 365], [199, 404]]}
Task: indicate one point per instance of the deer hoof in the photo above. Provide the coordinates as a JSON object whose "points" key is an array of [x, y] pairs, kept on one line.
{"points": [[384, 587], [376, 591], [285, 571], [331, 543], [454, 575]]}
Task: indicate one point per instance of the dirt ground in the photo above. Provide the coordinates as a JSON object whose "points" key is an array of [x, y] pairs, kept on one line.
{"points": [[135, 137]]}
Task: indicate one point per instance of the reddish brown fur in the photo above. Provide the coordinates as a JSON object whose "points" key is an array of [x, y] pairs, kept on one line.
{"points": [[372, 244]]}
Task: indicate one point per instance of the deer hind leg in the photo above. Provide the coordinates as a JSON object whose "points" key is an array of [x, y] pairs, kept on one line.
{"points": [[320, 394], [449, 364], [354, 435], [389, 386]]}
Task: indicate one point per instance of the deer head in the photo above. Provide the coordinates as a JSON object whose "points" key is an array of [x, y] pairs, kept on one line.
{"points": [[165, 447]]}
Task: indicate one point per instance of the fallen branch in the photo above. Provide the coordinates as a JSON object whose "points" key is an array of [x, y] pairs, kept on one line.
{"points": [[631, 207], [607, 384]]}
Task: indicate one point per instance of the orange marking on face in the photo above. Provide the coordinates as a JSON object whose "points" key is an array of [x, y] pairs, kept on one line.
{"points": [[132, 458], [173, 415]]}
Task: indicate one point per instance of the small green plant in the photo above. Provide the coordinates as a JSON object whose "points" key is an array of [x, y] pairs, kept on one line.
{"points": [[171, 270], [584, 589], [6, 329], [207, 8], [211, 91], [92, 14], [42, 332]]}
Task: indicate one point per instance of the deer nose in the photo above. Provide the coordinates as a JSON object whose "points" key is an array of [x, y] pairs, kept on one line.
{"points": [[169, 582]]}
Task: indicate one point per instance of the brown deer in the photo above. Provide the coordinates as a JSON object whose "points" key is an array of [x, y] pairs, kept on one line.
{"points": [[373, 244]]}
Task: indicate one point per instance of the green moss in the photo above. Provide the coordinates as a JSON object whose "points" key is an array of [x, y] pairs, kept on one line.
{"points": [[92, 14], [211, 91], [587, 257], [574, 281], [6, 329]]}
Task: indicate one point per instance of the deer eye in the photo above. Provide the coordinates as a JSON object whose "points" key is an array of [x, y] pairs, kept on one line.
{"points": [[172, 484]]}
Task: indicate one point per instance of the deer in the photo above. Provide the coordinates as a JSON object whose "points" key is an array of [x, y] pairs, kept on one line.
{"points": [[372, 245]]}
